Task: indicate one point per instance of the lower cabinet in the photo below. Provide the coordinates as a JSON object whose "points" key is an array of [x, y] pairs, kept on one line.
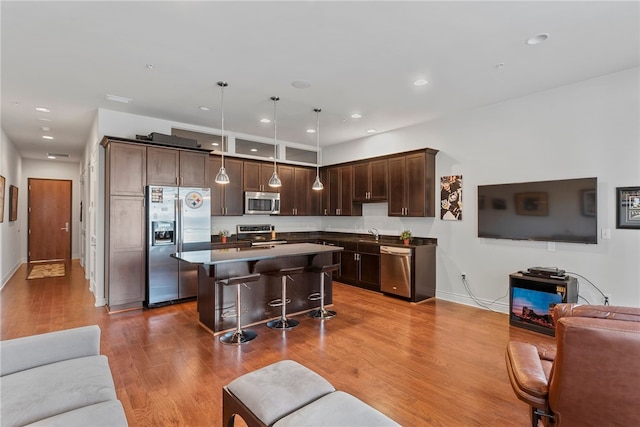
{"points": [[360, 265]]}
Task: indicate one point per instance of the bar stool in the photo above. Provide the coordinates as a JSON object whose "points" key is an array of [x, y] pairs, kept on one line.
{"points": [[239, 336], [321, 313], [283, 323]]}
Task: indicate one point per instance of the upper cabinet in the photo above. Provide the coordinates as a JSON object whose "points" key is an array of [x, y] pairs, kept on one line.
{"points": [[227, 199], [370, 181], [256, 176], [127, 168], [167, 166], [412, 184], [296, 195], [340, 184]]}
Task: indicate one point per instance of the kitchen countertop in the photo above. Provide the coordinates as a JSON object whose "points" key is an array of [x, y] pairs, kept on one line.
{"points": [[218, 256], [336, 237]]}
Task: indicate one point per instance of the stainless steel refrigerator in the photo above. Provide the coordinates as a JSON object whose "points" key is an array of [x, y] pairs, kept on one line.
{"points": [[178, 220]]}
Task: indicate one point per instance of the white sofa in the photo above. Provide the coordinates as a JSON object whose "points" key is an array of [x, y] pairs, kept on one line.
{"points": [[57, 379]]}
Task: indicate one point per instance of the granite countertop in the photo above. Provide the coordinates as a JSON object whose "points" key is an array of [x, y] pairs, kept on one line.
{"points": [[335, 237], [218, 256]]}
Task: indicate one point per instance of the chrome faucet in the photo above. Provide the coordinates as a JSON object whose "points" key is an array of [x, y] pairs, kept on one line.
{"points": [[375, 233]]}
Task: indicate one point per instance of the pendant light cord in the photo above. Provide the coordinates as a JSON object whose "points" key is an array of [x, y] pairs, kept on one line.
{"points": [[275, 100]]}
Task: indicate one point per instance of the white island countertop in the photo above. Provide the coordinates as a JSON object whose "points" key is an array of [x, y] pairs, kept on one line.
{"points": [[255, 253]]}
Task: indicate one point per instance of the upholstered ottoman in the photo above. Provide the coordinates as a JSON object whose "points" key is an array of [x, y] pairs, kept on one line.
{"points": [[334, 410], [265, 395]]}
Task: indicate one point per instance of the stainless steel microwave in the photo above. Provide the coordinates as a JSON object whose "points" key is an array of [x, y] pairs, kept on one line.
{"points": [[261, 203]]}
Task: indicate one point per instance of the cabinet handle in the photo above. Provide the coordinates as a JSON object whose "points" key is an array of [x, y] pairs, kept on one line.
{"points": [[325, 211]]}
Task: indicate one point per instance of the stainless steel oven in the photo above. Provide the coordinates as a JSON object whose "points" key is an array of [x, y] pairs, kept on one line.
{"points": [[395, 270]]}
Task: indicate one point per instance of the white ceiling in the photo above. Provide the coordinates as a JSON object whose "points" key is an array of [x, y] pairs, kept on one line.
{"points": [[358, 56]]}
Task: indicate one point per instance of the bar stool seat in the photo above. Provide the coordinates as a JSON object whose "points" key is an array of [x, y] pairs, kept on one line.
{"points": [[283, 323], [321, 313], [239, 336]]}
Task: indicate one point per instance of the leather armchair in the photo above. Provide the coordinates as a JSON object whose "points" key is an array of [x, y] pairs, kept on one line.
{"points": [[591, 377]]}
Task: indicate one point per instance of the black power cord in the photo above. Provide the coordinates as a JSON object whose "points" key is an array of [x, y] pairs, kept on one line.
{"points": [[606, 298]]}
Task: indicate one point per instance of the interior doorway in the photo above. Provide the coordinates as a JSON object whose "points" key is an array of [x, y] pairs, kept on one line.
{"points": [[49, 235]]}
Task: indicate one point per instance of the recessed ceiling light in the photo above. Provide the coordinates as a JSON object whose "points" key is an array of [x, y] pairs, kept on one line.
{"points": [[117, 98], [50, 156], [537, 39], [47, 137], [43, 109], [45, 129], [215, 144], [42, 119], [204, 108], [356, 116], [265, 121], [420, 82], [150, 66], [56, 155], [301, 84], [500, 66], [253, 150], [371, 131], [311, 131]]}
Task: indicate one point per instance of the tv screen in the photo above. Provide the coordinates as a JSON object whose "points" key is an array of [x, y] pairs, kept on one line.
{"points": [[533, 307], [551, 211]]}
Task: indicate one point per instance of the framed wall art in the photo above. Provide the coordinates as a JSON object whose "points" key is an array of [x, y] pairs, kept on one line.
{"points": [[13, 203], [628, 207], [1, 198], [451, 198]]}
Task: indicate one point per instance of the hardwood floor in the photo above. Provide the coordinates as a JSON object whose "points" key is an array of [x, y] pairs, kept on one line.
{"points": [[432, 364]]}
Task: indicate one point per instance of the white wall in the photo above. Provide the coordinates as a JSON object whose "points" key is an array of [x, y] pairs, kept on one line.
{"points": [[12, 253], [590, 128]]}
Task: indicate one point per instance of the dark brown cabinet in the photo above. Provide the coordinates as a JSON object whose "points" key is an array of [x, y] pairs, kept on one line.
{"points": [[411, 188], [227, 199], [167, 166], [256, 176], [360, 265], [125, 181], [370, 181], [296, 196], [340, 183]]}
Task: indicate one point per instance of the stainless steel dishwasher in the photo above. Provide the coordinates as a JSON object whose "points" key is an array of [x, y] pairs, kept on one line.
{"points": [[395, 270]]}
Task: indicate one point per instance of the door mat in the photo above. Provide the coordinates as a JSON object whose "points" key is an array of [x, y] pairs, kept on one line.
{"points": [[40, 271]]}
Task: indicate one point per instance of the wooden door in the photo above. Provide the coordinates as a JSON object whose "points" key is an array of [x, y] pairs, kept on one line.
{"points": [[49, 236], [252, 177]]}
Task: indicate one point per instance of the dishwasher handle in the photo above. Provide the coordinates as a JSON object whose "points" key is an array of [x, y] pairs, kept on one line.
{"points": [[394, 250]]}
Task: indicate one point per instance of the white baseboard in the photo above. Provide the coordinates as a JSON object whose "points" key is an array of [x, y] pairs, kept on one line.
{"points": [[502, 307]]}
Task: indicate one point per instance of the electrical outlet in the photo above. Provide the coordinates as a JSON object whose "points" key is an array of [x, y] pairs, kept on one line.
{"points": [[607, 299], [464, 276]]}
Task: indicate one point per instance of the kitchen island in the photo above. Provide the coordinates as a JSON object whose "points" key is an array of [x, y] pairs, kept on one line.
{"points": [[215, 300]]}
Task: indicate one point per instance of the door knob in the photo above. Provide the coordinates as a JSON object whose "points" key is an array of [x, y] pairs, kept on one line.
{"points": [[66, 227]]}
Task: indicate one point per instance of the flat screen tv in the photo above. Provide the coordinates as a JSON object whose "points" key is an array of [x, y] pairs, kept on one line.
{"points": [[551, 211]]}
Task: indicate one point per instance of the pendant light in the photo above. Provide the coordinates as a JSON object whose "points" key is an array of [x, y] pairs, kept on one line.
{"points": [[274, 181], [222, 177], [317, 184]]}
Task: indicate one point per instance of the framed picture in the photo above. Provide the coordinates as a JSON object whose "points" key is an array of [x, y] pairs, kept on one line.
{"points": [[1, 198], [13, 203], [536, 204], [628, 207], [589, 203], [451, 198]]}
